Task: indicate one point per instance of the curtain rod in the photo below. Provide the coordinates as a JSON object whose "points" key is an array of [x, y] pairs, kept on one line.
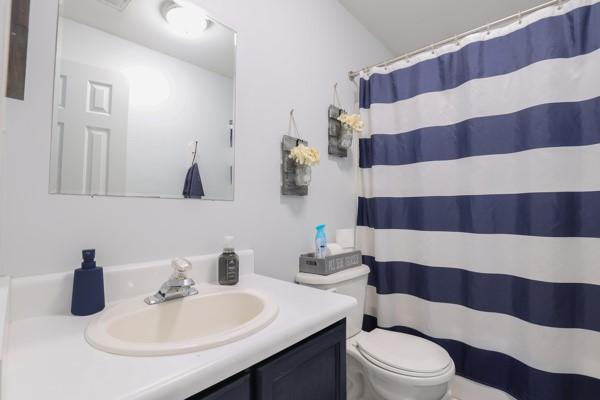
{"points": [[486, 27]]}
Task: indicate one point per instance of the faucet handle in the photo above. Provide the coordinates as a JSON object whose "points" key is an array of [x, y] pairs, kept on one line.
{"points": [[180, 265]]}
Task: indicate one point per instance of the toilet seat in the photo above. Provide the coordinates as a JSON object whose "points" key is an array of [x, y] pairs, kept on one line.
{"points": [[404, 354]]}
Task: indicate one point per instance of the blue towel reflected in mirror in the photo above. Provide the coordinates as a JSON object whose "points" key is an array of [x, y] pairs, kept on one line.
{"points": [[192, 188]]}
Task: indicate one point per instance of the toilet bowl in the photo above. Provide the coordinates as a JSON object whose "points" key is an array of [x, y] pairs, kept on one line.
{"points": [[381, 364], [399, 369]]}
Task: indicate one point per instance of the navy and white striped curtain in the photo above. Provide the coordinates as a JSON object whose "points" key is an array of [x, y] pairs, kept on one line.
{"points": [[479, 207]]}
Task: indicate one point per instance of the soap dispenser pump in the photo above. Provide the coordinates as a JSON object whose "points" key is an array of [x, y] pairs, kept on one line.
{"points": [[88, 286]]}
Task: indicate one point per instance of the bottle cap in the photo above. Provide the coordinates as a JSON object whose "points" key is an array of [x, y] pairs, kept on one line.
{"points": [[228, 243]]}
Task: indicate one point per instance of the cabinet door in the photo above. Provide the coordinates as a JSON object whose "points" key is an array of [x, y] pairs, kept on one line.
{"points": [[236, 388], [314, 369]]}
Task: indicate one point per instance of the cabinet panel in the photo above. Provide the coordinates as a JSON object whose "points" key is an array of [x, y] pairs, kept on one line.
{"points": [[314, 369], [236, 388]]}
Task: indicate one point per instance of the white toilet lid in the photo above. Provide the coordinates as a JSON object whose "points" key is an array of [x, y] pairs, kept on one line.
{"points": [[404, 354]]}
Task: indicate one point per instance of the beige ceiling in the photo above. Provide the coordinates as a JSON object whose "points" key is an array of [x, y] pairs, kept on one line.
{"points": [[406, 25]]}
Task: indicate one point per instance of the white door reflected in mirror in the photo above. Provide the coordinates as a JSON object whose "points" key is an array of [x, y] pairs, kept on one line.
{"points": [[140, 111]]}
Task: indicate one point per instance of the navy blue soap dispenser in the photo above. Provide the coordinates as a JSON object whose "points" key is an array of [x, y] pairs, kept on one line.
{"points": [[88, 286]]}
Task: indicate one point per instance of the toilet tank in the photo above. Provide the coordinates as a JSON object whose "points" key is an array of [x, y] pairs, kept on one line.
{"points": [[350, 282]]}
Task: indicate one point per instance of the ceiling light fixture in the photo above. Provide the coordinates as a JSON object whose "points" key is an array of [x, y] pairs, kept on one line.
{"points": [[185, 19], [119, 5]]}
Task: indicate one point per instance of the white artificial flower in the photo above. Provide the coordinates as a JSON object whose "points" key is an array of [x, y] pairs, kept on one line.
{"points": [[352, 120], [304, 155]]}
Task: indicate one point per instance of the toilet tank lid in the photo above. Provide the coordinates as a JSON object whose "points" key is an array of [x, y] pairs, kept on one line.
{"points": [[345, 275]]}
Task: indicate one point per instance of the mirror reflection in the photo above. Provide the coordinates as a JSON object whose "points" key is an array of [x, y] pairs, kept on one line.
{"points": [[143, 101]]}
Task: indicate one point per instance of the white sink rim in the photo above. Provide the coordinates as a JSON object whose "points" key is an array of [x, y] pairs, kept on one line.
{"points": [[96, 333]]}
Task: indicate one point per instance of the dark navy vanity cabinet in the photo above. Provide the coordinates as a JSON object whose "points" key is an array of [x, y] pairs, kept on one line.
{"points": [[313, 369], [234, 388]]}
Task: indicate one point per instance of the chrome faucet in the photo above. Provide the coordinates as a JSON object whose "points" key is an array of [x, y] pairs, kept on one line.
{"points": [[178, 285]]}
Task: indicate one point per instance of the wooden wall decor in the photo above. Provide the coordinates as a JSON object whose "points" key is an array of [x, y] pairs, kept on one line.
{"points": [[288, 168], [335, 132], [17, 53]]}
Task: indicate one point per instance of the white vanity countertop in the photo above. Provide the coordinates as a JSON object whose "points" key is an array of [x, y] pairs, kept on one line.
{"points": [[49, 358]]}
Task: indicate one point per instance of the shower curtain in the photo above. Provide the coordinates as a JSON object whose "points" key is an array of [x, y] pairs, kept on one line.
{"points": [[479, 206]]}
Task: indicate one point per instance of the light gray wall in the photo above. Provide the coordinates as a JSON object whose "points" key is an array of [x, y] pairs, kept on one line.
{"points": [[290, 55], [5, 6], [4, 38]]}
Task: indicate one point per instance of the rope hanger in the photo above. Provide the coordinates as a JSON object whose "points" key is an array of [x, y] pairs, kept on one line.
{"points": [[336, 97], [293, 128], [338, 103]]}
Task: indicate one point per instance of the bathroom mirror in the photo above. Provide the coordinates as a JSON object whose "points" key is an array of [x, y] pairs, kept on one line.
{"points": [[143, 101]]}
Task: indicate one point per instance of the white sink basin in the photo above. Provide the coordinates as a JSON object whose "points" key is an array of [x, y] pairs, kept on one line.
{"points": [[180, 326]]}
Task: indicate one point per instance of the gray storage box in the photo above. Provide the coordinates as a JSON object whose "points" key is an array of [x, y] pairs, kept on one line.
{"points": [[330, 264]]}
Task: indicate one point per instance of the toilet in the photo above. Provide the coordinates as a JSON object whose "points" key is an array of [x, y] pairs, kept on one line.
{"points": [[381, 364]]}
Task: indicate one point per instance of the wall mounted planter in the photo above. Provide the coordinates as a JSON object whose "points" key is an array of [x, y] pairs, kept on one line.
{"points": [[303, 175], [291, 176], [339, 135]]}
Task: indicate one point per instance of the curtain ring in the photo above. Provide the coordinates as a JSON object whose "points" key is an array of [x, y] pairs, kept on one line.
{"points": [[560, 4], [520, 17], [432, 49], [456, 41], [489, 29]]}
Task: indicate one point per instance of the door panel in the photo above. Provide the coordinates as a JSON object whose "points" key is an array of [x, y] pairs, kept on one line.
{"points": [[90, 134], [315, 369], [96, 159]]}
